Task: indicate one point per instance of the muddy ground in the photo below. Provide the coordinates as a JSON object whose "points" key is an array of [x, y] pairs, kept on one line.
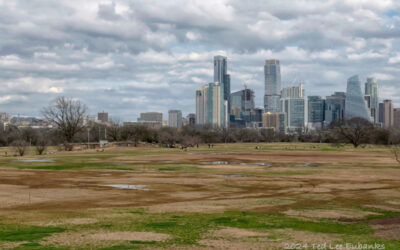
{"points": [[303, 184]]}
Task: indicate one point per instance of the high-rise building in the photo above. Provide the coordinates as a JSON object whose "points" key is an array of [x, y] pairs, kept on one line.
{"points": [[191, 119], [334, 107], [276, 121], [396, 117], [211, 108], [102, 116], [272, 74], [355, 103], [386, 113], [243, 99], [221, 76], [4, 117], [175, 118], [151, 117], [293, 92], [242, 105], [295, 109], [316, 111], [372, 89]]}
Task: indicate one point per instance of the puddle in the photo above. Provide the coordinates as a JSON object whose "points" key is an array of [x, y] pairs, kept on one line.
{"points": [[265, 164], [105, 174], [217, 162], [126, 186], [307, 164], [233, 175], [37, 160]]}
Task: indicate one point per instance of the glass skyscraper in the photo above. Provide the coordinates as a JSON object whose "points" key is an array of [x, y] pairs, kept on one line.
{"points": [[272, 74], [221, 75], [355, 102], [372, 89], [316, 111]]}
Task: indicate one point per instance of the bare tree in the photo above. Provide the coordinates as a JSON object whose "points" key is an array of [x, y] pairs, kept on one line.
{"points": [[114, 129], [67, 114], [20, 147], [355, 131], [41, 147]]}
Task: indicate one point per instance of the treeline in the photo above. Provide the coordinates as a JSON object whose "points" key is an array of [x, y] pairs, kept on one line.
{"points": [[355, 131], [67, 116]]}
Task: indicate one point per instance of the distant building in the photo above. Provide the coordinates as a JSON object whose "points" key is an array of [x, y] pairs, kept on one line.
{"points": [[102, 116], [243, 99], [316, 111], [191, 118], [272, 75], [242, 105], [276, 121], [293, 92], [334, 107], [355, 103], [221, 76], [386, 113], [211, 108], [4, 117], [396, 117], [372, 89], [175, 118], [294, 108], [258, 112], [151, 117]]}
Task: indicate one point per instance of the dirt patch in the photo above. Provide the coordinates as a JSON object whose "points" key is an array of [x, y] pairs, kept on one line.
{"points": [[331, 214], [236, 232], [75, 221], [92, 238], [219, 205], [388, 228], [10, 245]]}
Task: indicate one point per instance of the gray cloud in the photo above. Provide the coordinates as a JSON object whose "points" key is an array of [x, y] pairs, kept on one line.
{"points": [[127, 56]]}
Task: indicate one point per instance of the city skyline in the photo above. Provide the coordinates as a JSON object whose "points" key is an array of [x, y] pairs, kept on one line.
{"points": [[127, 58]]}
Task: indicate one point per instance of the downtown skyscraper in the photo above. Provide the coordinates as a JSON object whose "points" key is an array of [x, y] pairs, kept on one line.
{"points": [[221, 76], [355, 103], [212, 100], [272, 74], [372, 90]]}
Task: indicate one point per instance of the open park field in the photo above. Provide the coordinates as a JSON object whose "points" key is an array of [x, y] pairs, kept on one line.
{"points": [[231, 196]]}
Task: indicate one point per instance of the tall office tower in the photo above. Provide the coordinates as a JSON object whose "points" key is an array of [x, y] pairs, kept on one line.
{"points": [[295, 109], [211, 108], [396, 118], [372, 89], [200, 115], [386, 113], [102, 116], [243, 99], [355, 103], [293, 91], [221, 75], [334, 107], [242, 104], [175, 118], [316, 111], [276, 121], [272, 74]]}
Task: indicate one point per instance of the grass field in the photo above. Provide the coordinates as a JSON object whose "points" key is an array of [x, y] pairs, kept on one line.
{"points": [[232, 196]]}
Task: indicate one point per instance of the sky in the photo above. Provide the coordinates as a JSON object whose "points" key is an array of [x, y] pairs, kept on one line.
{"points": [[131, 56]]}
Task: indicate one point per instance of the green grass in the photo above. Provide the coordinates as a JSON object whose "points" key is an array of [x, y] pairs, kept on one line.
{"points": [[29, 233]]}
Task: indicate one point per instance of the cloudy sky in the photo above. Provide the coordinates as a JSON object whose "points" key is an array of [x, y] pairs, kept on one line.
{"points": [[129, 56]]}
